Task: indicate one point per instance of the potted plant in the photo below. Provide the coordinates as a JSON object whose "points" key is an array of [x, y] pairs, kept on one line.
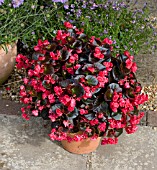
{"points": [[8, 41], [22, 23], [74, 81]]}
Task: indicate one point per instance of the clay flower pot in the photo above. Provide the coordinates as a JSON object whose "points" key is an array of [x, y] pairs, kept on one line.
{"points": [[7, 61], [81, 147]]}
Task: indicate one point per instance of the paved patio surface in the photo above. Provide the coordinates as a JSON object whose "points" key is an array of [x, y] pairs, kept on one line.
{"points": [[26, 146]]}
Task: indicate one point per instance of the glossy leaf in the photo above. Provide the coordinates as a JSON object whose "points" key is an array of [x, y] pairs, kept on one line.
{"points": [[56, 106], [123, 68], [99, 66], [45, 114], [88, 101], [55, 125], [79, 76], [116, 116], [122, 57], [46, 85], [117, 74], [102, 107], [91, 80], [44, 102], [108, 95], [73, 114], [52, 46], [36, 55], [82, 36], [77, 44], [48, 69], [96, 91], [65, 83], [78, 90], [118, 132], [130, 92], [82, 126], [90, 116], [65, 54], [115, 86], [86, 66], [70, 40]]}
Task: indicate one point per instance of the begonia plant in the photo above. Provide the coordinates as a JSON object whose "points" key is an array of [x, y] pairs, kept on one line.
{"points": [[75, 82]]}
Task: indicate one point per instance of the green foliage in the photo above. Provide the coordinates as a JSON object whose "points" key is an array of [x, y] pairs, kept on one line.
{"points": [[130, 28], [31, 21]]}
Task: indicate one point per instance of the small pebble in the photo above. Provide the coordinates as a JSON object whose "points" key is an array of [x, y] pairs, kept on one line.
{"points": [[154, 128]]}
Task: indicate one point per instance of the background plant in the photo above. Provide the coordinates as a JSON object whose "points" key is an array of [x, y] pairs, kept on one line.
{"points": [[118, 20], [30, 20], [27, 21]]}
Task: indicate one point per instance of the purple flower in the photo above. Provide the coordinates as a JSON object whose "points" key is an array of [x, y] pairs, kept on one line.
{"points": [[72, 6], [1, 2], [105, 32], [114, 42], [66, 6], [17, 3], [62, 1]]}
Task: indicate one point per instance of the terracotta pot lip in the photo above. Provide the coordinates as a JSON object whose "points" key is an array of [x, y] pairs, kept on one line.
{"points": [[78, 133], [8, 44]]}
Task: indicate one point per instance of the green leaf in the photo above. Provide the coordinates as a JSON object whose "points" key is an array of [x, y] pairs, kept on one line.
{"points": [[70, 40], [77, 44], [65, 54], [45, 114], [96, 91], [118, 132], [56, 106], [73, 114], [44, 102], [122, 57], [55, 125], [36, 55], [116, 116], [130, 92], [99, 66], [123, 68], [91, 80], [90, 116], [52, 46], [34, 99], [78, 90], [48, 69], [65, 83], [115, 86], [45, 84], [88, 101], [108, 95], [82, 36], [102, 107], [117, 74], [4, 48]]}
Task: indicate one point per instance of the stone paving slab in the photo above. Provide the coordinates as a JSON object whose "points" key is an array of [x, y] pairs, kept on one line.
{"points": [[9, 107], [152, 118], [26, 146]]}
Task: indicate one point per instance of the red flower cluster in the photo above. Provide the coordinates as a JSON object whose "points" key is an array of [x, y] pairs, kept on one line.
{"points": [[76, 83]]}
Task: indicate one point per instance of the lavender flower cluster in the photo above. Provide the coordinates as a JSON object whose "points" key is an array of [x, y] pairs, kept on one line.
{"points": [[62, 1], [15, 3], [1, 2]]}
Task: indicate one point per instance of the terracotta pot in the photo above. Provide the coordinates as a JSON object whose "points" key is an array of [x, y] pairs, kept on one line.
{"points": [[7, 61], [81, 147]]}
